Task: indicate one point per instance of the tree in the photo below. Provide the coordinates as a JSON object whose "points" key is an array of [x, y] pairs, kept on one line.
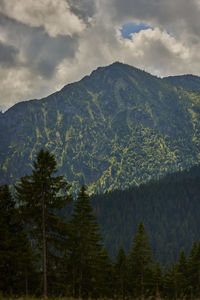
{"points": [[157, 280], [194, 270], [16, 258], [171, 284], [104, 275], [140, 262], [182, 268], [86, 246], [42, 196], [121, 274]]}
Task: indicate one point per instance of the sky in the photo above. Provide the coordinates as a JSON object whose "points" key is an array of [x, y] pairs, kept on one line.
{"points": [[46, 44]]}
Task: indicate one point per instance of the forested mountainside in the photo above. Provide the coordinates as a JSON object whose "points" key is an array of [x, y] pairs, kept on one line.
{"points": [[169, 208], [118, 127], [49, 250], [50, 253], [187, 82]]}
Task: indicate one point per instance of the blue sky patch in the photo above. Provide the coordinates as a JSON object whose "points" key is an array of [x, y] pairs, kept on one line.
{"points": [[129, 28]]}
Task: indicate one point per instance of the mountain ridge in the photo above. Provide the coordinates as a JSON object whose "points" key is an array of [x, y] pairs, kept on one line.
{"points": [[116, 127], [167, 79]]}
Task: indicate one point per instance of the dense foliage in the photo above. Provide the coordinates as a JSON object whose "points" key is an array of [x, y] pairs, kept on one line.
{"points": [[79, 265], [41, 196], [118, 127], [16, 256], [169, 209], [85, 248]]}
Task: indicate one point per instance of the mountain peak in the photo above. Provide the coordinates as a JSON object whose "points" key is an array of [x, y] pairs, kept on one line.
{"points": [[115, 73], [117, 65], [112, 66], [117, 127]]}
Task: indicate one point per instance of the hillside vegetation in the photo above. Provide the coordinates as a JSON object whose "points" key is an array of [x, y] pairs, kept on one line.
{"points": [[169, 208], [47, 251], [118, 127]]}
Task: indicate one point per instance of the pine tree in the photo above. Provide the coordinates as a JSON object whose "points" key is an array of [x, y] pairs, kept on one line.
{"points": [[42, 196], [104, 276], [182, 268], [121, 274], [157, 281], [85, 246], [140, 262], [194, 270], [16, 258], [171, 283]]}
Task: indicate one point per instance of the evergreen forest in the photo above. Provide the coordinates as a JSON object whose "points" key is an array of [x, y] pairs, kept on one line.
{"points": [[52, 243], [169, 208]]}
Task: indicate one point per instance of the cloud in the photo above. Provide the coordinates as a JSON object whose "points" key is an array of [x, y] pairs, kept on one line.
{"points": [[36, 50], [84, 9], [129, 28], [43, 53], [177, 16], [54, 16], [29, 58], [8, 55], [166, 53], [45, 44]]}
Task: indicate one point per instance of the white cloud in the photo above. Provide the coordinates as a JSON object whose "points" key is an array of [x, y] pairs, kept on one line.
{"points": [[51, 43], [55, 16], [15, 84], [155, 51]]}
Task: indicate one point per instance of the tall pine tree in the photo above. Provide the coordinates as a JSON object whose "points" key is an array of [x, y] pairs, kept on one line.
{"points": [[104, 276], [42, 196], [194, 270], [121, 274], [140, 262], [86, 247], [16, 258]]}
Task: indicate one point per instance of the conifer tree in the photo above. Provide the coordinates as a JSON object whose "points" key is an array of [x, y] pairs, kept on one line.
{"points": [[182, 268], [85, 246], [16, 258], [194, 270], [121, 274], [171, 286], [157, 281], [42, 196], [105, 276], [140, 262]]}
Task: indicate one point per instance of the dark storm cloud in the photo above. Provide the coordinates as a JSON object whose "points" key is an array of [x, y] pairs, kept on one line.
{"points": [[171, 14], [39, 52], [8, 55], [44, 53], [83, 8]]}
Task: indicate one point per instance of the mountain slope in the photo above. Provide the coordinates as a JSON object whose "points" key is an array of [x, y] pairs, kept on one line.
{"points": [[169, 209], [187, 82], [117, 127]]}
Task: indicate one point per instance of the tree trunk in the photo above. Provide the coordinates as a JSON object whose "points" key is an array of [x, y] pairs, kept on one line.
{"points": [[44, 251], [26, 283], [74, 283], [142, 285]]}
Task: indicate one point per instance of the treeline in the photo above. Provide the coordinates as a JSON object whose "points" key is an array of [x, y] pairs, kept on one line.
{"points": [[168, 207], [45, 250]]}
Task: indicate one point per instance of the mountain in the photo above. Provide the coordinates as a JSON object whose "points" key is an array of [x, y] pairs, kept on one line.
{"points": [[168, 207], [187, 82], [118, 127]]}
